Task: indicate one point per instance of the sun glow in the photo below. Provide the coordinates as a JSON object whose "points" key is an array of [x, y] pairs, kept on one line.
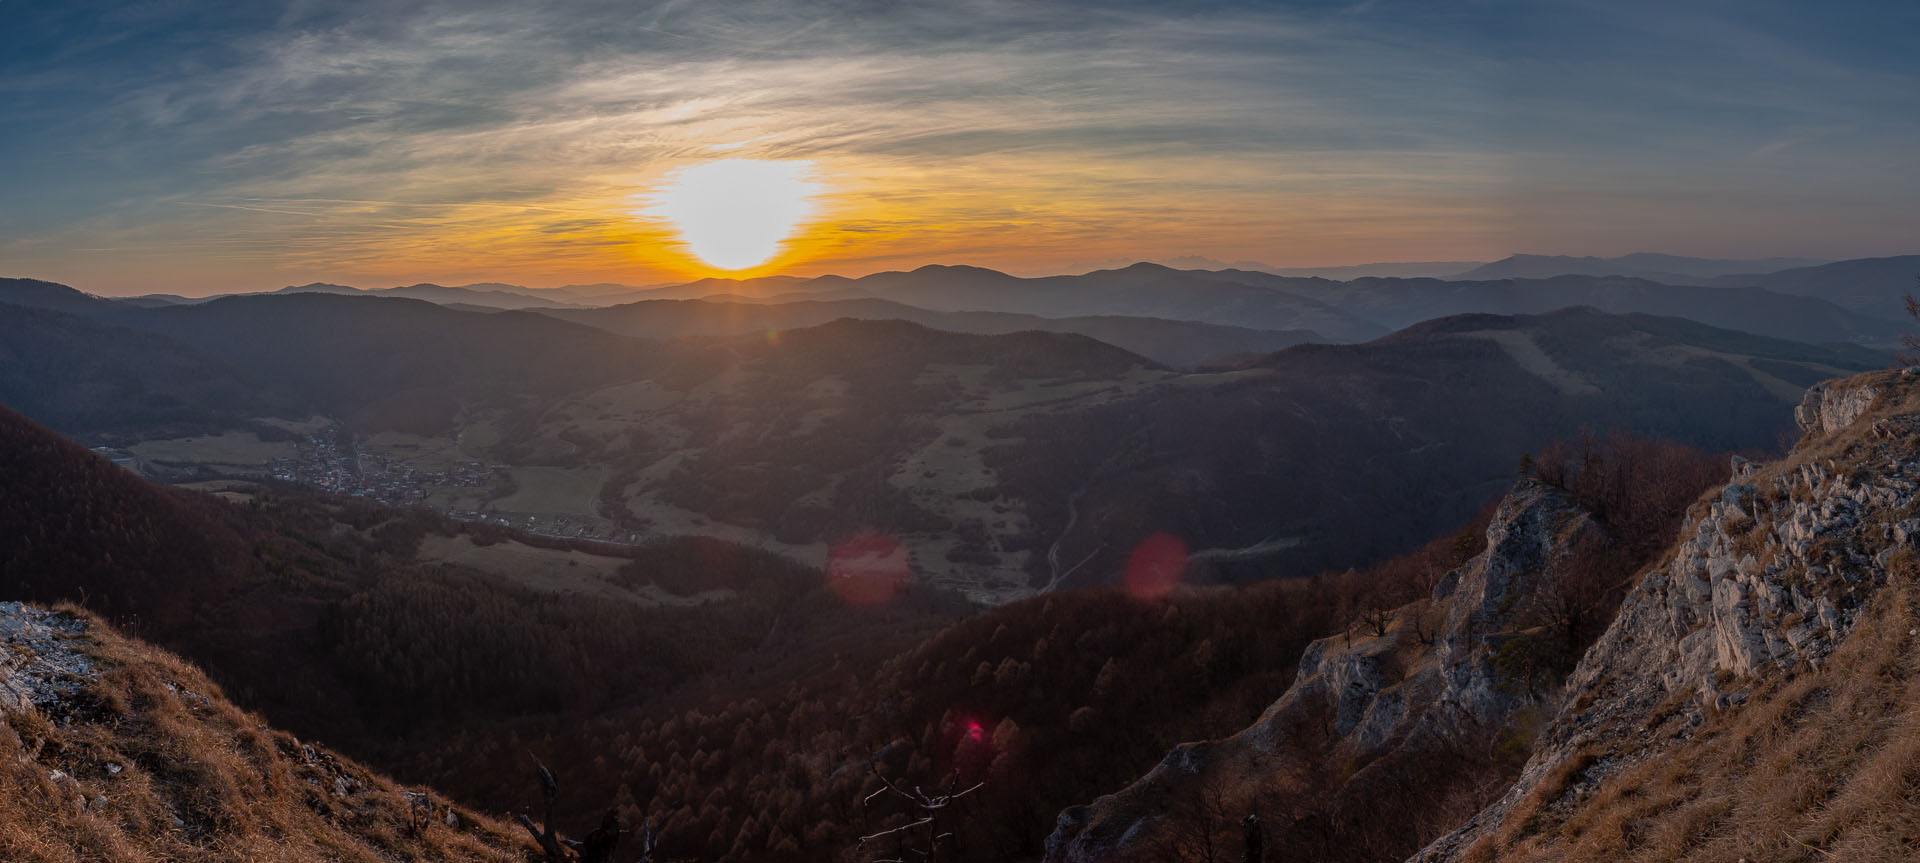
{"points": [[735, 213]]}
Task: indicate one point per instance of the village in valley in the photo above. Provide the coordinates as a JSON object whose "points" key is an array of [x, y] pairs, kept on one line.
{"points": [[325, 457]]}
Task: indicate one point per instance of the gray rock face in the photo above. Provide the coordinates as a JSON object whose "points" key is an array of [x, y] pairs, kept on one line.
{"points": [[1375, 696], [39, 662], [1832, 406], [1769, 574]]}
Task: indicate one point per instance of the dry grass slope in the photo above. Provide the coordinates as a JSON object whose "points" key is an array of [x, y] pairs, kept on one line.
{"points": [[1822, 765], [1822, 759], [145, 760]]}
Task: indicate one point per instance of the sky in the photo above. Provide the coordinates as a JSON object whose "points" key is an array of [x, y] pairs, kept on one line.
{"points": [[201, 146]]}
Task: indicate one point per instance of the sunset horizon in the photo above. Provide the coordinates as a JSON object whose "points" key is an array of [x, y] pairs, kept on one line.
{"points": [[229, 149]]}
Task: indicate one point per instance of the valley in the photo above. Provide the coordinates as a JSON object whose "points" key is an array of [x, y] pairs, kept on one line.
{"points": [[862, 538], [1029, 471]]}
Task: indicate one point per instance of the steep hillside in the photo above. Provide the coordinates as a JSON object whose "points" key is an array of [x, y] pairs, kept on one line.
{"points": [[113, 750], [1754, 698], [73, 525], [1049, 701], [88, 378], [1425, 709], [1416, 693]]}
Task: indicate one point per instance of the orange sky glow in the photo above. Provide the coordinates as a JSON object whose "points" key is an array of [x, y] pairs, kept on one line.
{"points": [[206, 148]]}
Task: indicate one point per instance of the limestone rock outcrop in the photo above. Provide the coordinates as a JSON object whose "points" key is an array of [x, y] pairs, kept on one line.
{"points": [[1768, 577], [1429, 684], [39, 662]]}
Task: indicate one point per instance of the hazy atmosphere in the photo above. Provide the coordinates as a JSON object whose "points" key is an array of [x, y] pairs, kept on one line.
{"points": [[195, 148], [979, 431]]}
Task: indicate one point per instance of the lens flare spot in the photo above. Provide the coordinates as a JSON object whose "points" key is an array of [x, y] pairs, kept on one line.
{"points": [[868, 570], [1156, 566]]}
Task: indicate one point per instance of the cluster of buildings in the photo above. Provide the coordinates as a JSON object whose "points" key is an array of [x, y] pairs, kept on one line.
{"points": [[325, 464]]}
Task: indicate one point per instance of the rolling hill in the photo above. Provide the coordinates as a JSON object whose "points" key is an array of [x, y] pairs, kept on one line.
{"points": [[87, 377], [1172, 342], [1002, 464], [1265, 469]]}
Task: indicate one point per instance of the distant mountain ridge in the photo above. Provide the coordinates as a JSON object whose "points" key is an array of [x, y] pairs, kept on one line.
{"points": [[1855, 301], [1173, 342], [1872, 286], [1670, 269]]}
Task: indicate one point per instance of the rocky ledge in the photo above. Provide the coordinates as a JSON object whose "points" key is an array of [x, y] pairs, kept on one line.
{"points": [[1769, 575], [41, 664], [1422, 682]]}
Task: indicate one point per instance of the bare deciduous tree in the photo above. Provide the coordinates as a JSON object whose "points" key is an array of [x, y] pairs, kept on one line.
{"points": [[600, 842], [925, 812], [1910, 341], [1378, 613], [1203, 826]]}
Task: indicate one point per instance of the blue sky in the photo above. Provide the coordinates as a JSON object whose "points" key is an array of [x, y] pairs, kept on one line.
{"points": [[201, 146]]}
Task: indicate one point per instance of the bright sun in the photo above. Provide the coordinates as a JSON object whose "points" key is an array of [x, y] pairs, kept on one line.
{"points": [[734, 213]]}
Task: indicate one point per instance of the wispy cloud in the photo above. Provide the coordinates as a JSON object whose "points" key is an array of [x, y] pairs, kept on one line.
{"points": [[446, 140]]}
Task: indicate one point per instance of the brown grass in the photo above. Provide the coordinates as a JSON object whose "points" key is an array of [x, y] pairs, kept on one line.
{"points": [[199, 780], [1821, 765]]}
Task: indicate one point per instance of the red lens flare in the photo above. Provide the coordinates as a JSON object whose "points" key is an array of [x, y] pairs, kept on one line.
{"points": [[1156, 566], [868, 570]]}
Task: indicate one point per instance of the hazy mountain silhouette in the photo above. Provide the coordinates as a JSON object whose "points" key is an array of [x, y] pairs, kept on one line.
{"points": [[1386, 269], [1173, 342], [1141, 290], [489, 294], [1670, 269], [1872, 286], [1400, 303], [1350, 311], [1389, 270], [36, 294]]}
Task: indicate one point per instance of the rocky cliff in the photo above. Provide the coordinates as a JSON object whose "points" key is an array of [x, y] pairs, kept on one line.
{"points": [[112, 750], [1422, 690], [1752, 699]]}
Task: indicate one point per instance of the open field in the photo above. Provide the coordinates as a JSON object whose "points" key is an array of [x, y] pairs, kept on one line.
{"points": [[234, 449], [310, 425], [552, 490], [421, 453], [552, 570]]}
